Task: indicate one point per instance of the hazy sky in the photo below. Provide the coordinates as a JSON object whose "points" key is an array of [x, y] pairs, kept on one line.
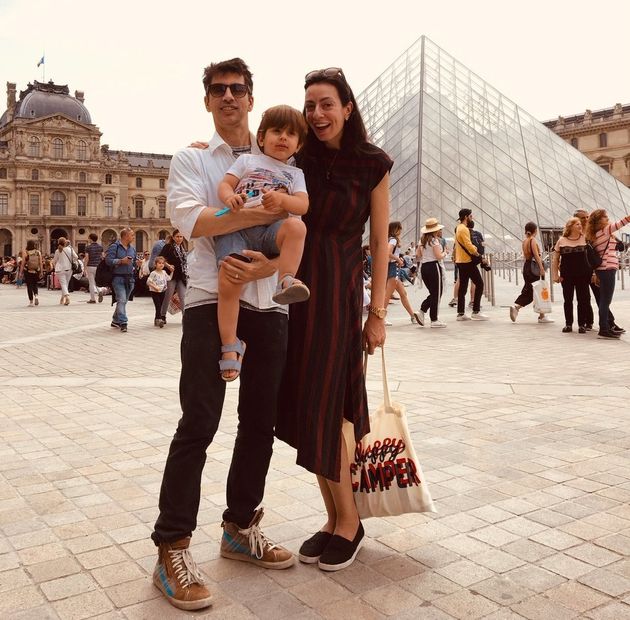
{"points": [[140, 62]]}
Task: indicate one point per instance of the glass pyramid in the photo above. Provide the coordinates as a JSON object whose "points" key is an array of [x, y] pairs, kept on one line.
{"points": [[458, 142]]}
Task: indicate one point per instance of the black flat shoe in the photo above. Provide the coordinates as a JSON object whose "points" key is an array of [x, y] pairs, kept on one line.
{"points": [[567, 329], [340, 552], [608, 335], [313, 547], [581, 330]]}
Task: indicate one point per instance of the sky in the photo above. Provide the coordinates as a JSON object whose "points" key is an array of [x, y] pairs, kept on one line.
{"points": [[140, 62]]}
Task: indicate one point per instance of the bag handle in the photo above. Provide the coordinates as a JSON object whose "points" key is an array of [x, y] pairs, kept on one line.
{"points": [[387, 398]]}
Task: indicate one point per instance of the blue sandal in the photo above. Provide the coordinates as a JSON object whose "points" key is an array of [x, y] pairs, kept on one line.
{"points": [[237, 347], [290, 290]]}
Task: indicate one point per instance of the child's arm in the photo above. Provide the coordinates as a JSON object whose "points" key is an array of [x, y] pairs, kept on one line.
{"points": [[226, 193], [296, 204]]}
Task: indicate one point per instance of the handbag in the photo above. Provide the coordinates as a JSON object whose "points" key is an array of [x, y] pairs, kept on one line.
{"points": [[175, 305], [76, 266], [534, 268], [542, 298], [593, 258], [386, 476]]}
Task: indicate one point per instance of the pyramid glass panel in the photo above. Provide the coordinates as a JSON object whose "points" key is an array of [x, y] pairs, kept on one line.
{"points": [[458, 142]]}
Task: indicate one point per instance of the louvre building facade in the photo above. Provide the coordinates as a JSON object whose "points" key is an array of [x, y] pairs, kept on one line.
{"points": [[58, 180], [458, 142]]}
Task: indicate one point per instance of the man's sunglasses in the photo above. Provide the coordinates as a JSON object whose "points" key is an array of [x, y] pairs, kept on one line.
{"points": [[237, 90], [318, 74]]}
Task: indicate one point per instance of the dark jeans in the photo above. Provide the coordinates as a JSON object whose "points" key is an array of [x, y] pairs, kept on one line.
{"points": [[579, 286], [590, 318], [432, 277], [158, 299], [606, 291], [201, 393], [31, 284], [468, 271], [527, 293]]}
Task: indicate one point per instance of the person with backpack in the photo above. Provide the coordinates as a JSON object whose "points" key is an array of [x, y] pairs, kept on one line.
{"points": [[63, 260], [94, 254], [31, 271]]}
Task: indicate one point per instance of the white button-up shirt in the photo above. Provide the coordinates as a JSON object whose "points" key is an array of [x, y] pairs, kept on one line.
{"points": [[193, 181]]}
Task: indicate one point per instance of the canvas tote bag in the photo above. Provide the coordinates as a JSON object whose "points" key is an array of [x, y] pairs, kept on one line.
{"points": [[386, 476]]}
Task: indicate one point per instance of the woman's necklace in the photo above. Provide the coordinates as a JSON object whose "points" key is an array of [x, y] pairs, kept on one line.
{"points": [[330, 166]]}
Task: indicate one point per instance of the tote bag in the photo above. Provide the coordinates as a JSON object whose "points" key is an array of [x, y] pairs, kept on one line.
{"points": [[386, 476], [542, 298]]}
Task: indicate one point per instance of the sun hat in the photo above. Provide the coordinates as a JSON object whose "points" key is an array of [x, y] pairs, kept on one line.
{"points": [[431, 225]]}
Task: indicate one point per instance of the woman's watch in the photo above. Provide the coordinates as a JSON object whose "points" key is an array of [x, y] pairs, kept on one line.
{"points": [[381, 313]]}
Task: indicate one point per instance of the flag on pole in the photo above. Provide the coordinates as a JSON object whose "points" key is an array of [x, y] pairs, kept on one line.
{"points": [[41, 62]]}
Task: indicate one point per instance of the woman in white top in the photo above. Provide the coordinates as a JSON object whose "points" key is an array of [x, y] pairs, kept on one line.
{"points": [[393, 282], [431, 255], [62, 260]]}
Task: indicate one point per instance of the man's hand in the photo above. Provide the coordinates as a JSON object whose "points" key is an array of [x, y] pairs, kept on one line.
{"points": [[199, 145], [240, 272]]}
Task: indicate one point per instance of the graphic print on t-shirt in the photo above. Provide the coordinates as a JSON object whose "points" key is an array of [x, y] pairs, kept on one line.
{"points": [[258, 179]]}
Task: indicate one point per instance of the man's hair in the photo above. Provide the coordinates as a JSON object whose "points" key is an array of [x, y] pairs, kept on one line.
{"points": [[30, 245], [234, 65], [463, 213], [162, 235], [283, 117], [93, 237], [125, 231]]}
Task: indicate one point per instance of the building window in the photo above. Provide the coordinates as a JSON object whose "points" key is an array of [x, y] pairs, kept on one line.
{"points": [[574, 142], [109, 206], [605, 167], [108, 179], [58, 203], [138, 182], [139, 204], [34, 175], [82, 150], [603, 140], [81, 206], [33, 204], [82, 177], [4, 204], [3, 173], [57, 147], [162, 183], [33, 146], [162, 208]]}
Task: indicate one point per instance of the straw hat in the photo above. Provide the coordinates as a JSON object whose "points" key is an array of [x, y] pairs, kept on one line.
{"points": [[431, 225]]}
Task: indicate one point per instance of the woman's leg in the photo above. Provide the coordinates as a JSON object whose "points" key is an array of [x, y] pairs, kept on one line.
{"points": [[527, 293], [64, 276], [583, 301], [170, 289], [568, 286], [329, 504], [404, 299], [606, 291], [180, 289], [31, 285]]}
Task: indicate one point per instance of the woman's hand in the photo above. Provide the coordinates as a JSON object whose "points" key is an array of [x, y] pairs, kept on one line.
{"points": [[557, 279], [199, 145], [240, 272], [373, 333]]}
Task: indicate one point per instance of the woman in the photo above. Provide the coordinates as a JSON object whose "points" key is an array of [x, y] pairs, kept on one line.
{"points": [[393, 282], [32, 269], [431, 256], [348, 182], [531, 253], [174, 252], [570, 268], [599, 233], [62, 260]]}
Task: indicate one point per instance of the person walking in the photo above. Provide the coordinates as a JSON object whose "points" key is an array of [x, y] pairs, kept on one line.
{"points": [[62, 260], [174, 252], [94, 253], [395, 263], [431, 257], [121, 256], [32, 266], [157, 282], [531, 274]]}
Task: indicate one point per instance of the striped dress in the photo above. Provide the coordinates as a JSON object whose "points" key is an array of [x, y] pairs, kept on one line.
{"points": [[323, 381]]}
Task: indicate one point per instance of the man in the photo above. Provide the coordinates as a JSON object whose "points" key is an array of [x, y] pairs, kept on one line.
{"points": [[467, 269], [94, 254], [157, 249], [192, 194], [121, 255]]}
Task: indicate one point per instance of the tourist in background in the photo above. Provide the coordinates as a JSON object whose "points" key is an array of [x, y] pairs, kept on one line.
{"points": [[32, 266], [94, 254], [62, 260], [431, 256], [174, 251], [395, 263]]}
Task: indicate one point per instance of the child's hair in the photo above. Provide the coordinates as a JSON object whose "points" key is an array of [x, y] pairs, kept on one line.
{"points": [[282, 117], [159, 259]]}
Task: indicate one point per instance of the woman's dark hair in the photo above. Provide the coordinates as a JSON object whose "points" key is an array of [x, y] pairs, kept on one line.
{"points": [[30, 245], [234, 65], [530, 228], [354, 133], [393, 230]]}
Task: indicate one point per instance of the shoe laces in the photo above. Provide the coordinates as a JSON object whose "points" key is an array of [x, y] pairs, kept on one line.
{"points": [[257, 540], [186, 570]]}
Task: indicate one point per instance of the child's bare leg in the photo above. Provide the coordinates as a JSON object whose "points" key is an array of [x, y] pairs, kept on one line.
{"points": [[290, 242], [227, 315]]}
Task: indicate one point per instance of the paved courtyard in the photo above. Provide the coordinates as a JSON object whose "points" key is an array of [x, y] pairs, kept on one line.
{"points": [[523, 433]]}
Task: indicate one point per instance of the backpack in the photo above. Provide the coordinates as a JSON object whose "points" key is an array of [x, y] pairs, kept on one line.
{"points": [[33, 262]]}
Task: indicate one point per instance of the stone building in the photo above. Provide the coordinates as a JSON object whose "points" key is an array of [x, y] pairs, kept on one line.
{"points": [[603, 136], [57, 179]]}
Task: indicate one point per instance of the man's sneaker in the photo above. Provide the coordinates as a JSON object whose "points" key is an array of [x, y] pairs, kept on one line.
{"points": [[100, 296], [36, 301], [419, 317], [615, 329], [177, 576], [341, 552], [251, 545], [114, 324], [477, 316], [313, 547], [463, 317], [608, 335], [437, 324], [452, 303], [513, 313], [545, 319], [123, 328]]}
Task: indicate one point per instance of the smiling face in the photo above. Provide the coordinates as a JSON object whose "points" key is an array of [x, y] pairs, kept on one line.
{"points": [[279, 143], [576, 229], [325, 114], [229, 112]]}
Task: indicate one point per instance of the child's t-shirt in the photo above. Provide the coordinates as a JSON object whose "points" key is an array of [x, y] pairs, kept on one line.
{"points": [[159, 279], [258, 172]]}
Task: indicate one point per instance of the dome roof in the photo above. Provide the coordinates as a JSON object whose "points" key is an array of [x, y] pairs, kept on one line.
{"points": [[39, 100]]}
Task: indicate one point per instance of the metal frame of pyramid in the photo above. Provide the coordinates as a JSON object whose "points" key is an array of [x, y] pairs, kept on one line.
{"points": [[475, 148]]}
